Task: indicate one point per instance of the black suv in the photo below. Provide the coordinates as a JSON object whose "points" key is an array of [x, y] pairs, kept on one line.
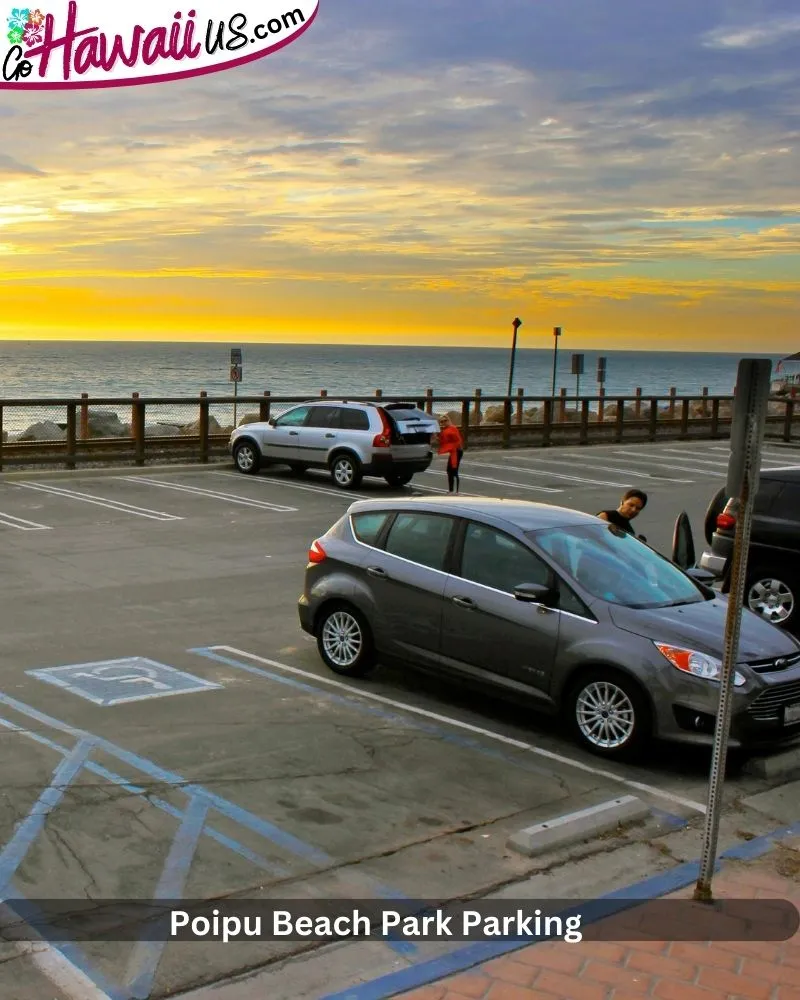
{"points": [[772, 586]]}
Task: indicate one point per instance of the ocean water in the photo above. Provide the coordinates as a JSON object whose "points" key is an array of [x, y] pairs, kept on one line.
{"points": [[65, 369]]}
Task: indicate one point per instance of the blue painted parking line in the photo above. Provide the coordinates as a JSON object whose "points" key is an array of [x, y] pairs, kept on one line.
{"points": [[201, 798], [462, 959], [13, 854], [233, 845], [147, 954], [117, 682]]}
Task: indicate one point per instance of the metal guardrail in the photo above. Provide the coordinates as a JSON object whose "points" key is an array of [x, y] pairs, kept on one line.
{"points": [[72, 431]]}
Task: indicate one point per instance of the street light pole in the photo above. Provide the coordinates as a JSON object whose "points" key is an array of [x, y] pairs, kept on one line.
{"points": [[556, 335], [516, 324]]}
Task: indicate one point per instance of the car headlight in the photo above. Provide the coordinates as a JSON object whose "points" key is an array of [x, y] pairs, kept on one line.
{"points": [[690, 661]]}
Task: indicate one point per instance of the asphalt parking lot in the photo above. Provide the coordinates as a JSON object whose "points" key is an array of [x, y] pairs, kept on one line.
{"points": [[155, 689]]}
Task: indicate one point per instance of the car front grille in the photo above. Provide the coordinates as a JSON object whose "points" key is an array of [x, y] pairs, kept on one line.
{"points": [[770, 703], [775, 664]]}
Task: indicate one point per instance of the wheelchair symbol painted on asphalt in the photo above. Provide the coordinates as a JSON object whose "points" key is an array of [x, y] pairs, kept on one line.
{"points": [[115, 682]]}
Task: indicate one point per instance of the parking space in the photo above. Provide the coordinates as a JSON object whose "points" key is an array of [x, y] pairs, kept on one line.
{"points": [[156, 690]]}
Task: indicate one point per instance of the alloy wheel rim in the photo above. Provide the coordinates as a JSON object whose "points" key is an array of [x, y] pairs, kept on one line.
{"points": [[343, 472], [605, 714], [342, 639], [244, 458], [771, 599]]}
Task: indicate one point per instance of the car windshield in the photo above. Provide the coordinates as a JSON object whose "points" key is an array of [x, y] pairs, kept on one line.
{"points": [[616, 567]]}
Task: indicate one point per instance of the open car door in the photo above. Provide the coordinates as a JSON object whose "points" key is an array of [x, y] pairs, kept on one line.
{"points": [[683, 554]]}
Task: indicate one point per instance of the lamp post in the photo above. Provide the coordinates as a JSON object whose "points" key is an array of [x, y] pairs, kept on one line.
{"points": [[516, 324], [556, 335]]}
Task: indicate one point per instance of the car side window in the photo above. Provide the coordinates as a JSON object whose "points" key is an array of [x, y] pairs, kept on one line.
{"points": [[368, 526], [350, 419], [495, 559], [322, 416], [293, 418], [421, 538]]}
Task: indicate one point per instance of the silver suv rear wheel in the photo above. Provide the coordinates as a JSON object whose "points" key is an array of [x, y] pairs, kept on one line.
{"points": [[247, 457]]}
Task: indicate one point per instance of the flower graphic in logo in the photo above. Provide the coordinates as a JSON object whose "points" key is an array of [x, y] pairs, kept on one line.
{"points": [[35, 17], [20, 16], [33, 34], [15, 36]]}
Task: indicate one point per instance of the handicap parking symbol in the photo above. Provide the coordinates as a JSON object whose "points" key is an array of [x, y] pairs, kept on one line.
{"points": [[115, 682]]}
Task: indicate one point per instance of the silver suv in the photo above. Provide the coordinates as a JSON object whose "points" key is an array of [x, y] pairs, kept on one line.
{"points": [[352, 440]]}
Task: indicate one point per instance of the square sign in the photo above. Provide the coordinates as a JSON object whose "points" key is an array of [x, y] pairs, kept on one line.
{"points": [[236, 355], [236, 373], [115, 682]]}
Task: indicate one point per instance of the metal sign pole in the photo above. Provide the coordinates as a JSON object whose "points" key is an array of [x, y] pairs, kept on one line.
{"points": [[556, 335], [747, 432], [236, 377], [235, 401], [516, 324]]}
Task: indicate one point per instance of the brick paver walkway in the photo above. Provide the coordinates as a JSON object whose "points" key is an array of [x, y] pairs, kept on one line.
{"points": [[594, 970]]}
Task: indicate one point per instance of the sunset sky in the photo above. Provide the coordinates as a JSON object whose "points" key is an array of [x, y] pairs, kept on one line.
{"points": [[423, 171]]}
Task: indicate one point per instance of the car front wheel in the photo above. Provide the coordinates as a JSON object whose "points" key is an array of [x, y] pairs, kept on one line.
{"points": [[774, 597], [247, 458], [608, 714], [344, 641]]}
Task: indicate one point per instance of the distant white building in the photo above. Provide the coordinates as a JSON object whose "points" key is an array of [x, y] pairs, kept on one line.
{"points": [[786, 379]]}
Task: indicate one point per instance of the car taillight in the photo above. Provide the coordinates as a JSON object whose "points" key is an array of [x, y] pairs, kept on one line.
{"points": [[316, 554], [384, 439], [725, 521]]}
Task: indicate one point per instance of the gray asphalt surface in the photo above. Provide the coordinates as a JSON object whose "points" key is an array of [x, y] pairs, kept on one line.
{"points": [[300, 785]]}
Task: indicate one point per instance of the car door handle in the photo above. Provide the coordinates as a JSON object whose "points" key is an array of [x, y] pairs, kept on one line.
{"points": [[381, 574], [293, 433], [465, 602], [330, 435]]}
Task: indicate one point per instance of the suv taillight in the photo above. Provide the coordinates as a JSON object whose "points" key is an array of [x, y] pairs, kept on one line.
{"points": [[316, 554], [725, 521], [384, 439]]}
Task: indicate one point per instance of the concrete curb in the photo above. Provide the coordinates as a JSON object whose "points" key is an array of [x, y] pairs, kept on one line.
{"points": [[776, 766], [572, 828]]}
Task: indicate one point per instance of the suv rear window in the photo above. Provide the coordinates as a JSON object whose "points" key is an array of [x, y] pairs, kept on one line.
{"points": [[788, 505], [768, 492]]}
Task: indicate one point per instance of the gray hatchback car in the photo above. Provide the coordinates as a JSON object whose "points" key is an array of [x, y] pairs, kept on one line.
{"points": [[547, 603]]}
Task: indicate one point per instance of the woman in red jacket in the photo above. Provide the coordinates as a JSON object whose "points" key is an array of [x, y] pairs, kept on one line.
{"points": [[451, 444]]}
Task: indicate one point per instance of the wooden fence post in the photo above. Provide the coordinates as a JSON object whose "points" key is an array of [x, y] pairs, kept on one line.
{"points": [[429, 400], [672, 393], [138, 431], [464, 421], [653, 419], [506, 423], [637, 406], [203, 426], [715, 417], [788, 419], [584, 438], [520, 404], [72, 420], [562, 407], [264, 407], [685, 418], [84, 417], [478, 414], [620, 420], [547, 422]]}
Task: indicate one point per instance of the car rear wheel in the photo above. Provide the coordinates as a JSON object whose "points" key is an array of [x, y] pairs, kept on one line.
{"points": [[774, 597], [346, 471], [398, 479], [247, 458], [344, 641], [608, 714]]}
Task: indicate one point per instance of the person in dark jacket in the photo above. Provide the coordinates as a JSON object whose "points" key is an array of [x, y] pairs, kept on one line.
{"points": [[631, 505]]}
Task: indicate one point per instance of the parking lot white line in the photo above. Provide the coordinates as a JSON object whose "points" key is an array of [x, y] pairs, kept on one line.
{"points": [[325, 490], [545, 472], [10, 521], [713, 460], [793, 456], [211, 494], [600, 468], [479, 730], [698, 462], [118, 505], [499, 482]]}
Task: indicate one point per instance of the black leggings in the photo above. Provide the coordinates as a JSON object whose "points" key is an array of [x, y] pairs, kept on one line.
{"points": [[453, 480]]}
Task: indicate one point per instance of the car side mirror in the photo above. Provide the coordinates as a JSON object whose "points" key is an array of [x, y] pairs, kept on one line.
{"points": [[272, 422], [535, 593]]}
